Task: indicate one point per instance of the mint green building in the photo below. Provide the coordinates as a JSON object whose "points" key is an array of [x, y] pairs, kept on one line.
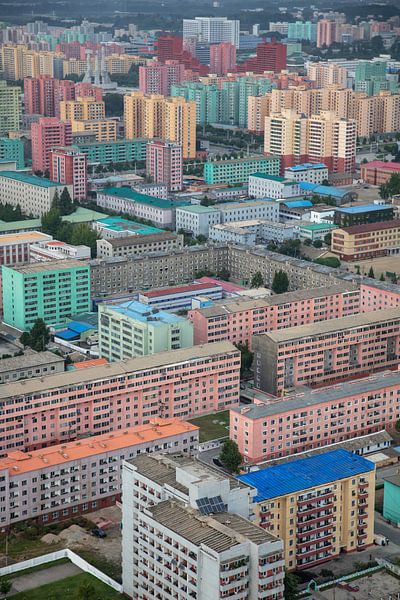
{"points": [[12, 150], [371, 77], [207, 98], [238, 170], [52, 291], [391, 499], [132, 329], [302, 30], [114, 152]]}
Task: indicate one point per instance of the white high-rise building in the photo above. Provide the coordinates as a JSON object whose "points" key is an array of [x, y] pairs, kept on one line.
{"points": [[212, 30], [187, 533]]}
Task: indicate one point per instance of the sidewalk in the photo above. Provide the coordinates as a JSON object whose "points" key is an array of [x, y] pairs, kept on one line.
{"points": [[39, 578]]}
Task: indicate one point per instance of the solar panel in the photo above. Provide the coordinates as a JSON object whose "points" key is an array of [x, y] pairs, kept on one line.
{"points": [[211, 505]]}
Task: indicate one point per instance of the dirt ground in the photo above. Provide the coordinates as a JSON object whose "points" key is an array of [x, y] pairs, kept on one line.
{"points": [[109, 547], [379, 586]]}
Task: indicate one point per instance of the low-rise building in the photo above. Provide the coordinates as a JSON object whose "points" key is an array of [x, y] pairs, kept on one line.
{"points": [[180, 297], [133, 329], [362, 214], [56, 250], [378, 172], [85, 475], [15, 247], [119, 151], [339, 195], [34, 195], [315, 231], [237, 170], [52, 291], [157, 210], [195, 521], [327, 352], [320, 506], [360, 242], [391, 499], [30, 364], [295, 210], [164, 241], [197, 219], [262, 185], [233, 232], [249, 209], [117, 227], [313, 173]]}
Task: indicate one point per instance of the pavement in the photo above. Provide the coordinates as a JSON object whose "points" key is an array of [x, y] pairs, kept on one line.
{"points": [[389, 531], [38, 578], [387, 472]]}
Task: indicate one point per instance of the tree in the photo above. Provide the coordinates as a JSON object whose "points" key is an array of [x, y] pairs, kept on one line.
{"points": [[38, 337], [86, 591], [114, 105], [317, 243], [224, 274], [328, 239], [83, 234], [291, 586], [51, 222], [329, 261], [66, 204], [257, 280], [5, 585], [307, 242], [382, 277], [247, 357], [280, 283], [391, 187], [371, 273], [201, 238], [230, 456]]}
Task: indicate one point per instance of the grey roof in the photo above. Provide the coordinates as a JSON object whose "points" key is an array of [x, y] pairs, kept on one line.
{"points": [[218, 532], [333, 325], [394, 479], [136, 240], [51, 265], [319, 396], [29, 359]]}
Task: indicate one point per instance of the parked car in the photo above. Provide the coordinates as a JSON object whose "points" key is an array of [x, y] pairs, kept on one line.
{"points": [[352, 587], [98, 532]]}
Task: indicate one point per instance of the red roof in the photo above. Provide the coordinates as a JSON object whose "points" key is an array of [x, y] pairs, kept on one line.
{"points": [[181, 289], [226, 285], [94, 362], [380, 164], [372, 226]]}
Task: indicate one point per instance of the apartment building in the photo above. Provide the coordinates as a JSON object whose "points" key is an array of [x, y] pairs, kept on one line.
{"points": [[15, 248], [157, 78], [113, 152], [237, 170], [69, 166], [30, 364], [196, 219], [34, 195], [62, 481], [131, 329], [360, 242], [180, 297], [313, 173], [378, 172], [164, 164], [195, 520], [48, 133], [10, 108], [325, 74], [272, 186], [327, 352], [239, 319], [12, 150], [109, 398], [124, 199], [212, 30], [271, 428], [82, 109], [320, 506], [163, 241], [52, 291], [104, 130], [362, 214]]}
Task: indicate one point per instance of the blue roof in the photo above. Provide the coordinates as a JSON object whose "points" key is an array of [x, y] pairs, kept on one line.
{"points": [[305, 473], [79, 327], [68, 334], [364, 208], [145, 313], [323, 190], [306, 166], [297, 203]]}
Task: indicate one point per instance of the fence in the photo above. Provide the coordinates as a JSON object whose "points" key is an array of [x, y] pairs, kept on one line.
{"points": [[211, 444], [66, 553]]}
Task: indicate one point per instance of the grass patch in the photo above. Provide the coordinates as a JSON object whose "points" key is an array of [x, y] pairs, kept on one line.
{"points": [[21, 548], [42, 567], [69, 589], [213, 426], [112, 569]]}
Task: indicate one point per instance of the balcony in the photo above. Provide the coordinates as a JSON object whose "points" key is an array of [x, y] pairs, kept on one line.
{"points": [[305, 543], [309, 510], [314, 499], [313, 551]]}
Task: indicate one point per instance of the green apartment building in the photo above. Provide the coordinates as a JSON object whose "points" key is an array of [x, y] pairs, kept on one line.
{"points": [[371, 78], [134, 329], [10, 107], [114, 152], [207, 98], [12, 150], [52, 291], [391, 499], [238, 170]]}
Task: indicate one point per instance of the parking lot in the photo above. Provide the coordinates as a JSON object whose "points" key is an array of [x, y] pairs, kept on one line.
{"points": [[378, 586]]}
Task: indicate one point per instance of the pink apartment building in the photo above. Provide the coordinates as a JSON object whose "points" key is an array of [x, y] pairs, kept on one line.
{"points": [[222, 58], [238, 320], [327, 352], [270, 429], [177, 384], [164, 164], [157, 78], [69, 166], [59, 482], [43, 94], [48, 133]]}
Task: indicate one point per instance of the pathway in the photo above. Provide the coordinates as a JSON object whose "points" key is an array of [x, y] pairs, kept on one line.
{"points": [[36, 579]]}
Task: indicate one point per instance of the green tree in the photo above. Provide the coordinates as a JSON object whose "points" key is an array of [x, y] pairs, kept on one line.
{"points": [[66, 205], [257, 280], [391, 187], [307, 242], [38, 337], [84, 234], [358, 270], [230, 456], [317, 243], [382, 277], [201, 238], [329, 261], [280, 283], [51, 222], [86, 591], [114, 105], [55, 203], [371, 273], [246, 359], [224, 274], [291, 586], [328, 239], [5, 585]]}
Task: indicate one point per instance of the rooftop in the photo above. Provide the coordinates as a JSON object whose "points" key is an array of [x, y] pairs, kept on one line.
{"points": [[273, 178], [29, 359], [130, 194], [19, 238], [218, 532], [318, 226], [120, 224], [352, 210], [245, 204], [50, 266], [297, 203], [83, 215], [324, 190], [29, 179], [306, 166], [312, 397], [252, 157], [137, 239], [380, 164], [18, 462], [199, 209], [182, 289], [395, 479], [14, 225], [366, 227], [123, 369], [305, 473], [333, 326], [144, 313]]}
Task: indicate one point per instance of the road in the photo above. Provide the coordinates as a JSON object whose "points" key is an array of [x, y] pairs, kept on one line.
{"points": [[387, 472], [392, 533], [34, 580]]}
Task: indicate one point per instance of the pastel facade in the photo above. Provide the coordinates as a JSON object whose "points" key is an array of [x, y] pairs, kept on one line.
{"points": [[157, 210], [196, 219], [307, 172], [378, 172], [30, 364], [180, 297], [12, 150], [69, 167], [114, 151], [272, 428], [133, 329], [327, 352], [110, 398], [360, 242], [10, 108], [15, 248], [78, 477], [237, 170], [269, 186], [164, 164], [163, 241], [320, 506], [48, 133]]}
